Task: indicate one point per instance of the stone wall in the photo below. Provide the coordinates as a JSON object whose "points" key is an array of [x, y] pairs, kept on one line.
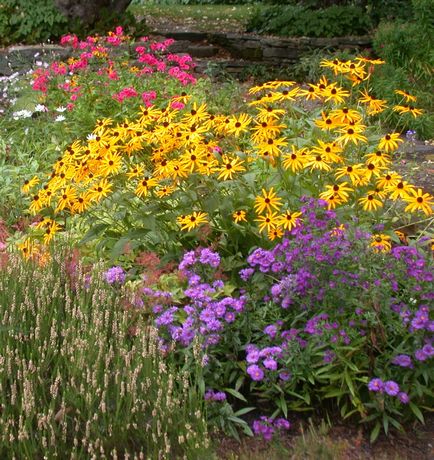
{"points": [[240, 49]]}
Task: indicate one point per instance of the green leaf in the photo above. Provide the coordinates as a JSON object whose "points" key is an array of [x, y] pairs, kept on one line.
{"points": [[416, 411], [244, 411], [375, 432], [235, 393]]}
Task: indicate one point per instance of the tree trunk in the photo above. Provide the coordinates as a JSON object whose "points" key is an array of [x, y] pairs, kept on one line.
{"points": [[89, 11]]}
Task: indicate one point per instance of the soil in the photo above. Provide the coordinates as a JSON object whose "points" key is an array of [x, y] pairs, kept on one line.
{"points": [[341, 442]]}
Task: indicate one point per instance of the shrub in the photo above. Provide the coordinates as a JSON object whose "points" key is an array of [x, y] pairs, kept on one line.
{"points": [[331, 319], [81, 374], [32, 22], [297, 20]]}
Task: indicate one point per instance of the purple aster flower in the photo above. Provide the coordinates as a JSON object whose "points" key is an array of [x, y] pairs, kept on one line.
{"points": [[428, 349], [402, 360], [271, 330], [270, 364], [285, 376], [209, 257], [230, 317], [376, 385], [282, 423], [420, 355], [115, 275], [252, 356], [246, 273], [403, 397], [255, 372], [391, 388]]}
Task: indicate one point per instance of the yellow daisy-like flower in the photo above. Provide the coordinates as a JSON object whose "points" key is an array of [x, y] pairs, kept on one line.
{"points": [[399, 190], [239, 124], [381, 243], [164, 190], [289, 220], [50, 231], [370, 202], [144, 185], [66, 199], [408, 109], [275, 233], [29, 184], [239, 216], [354, 172], [389, 142], [100, 190], [352, 134], [191, 221], [27, 248], [37, 204], [408, 97], [267, 222], [335, 94], [296, 160], [341, 191], [267, 202], [229, 167], [419, 201]]}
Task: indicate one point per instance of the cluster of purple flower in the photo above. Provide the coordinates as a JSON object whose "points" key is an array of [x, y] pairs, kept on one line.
{"points": [[115, 275], [207, 310], [389, 387], [267, 426], [218, 396]]}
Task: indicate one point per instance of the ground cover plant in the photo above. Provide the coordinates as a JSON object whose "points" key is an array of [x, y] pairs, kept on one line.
{"points": [[257, 246], [81, 375]]}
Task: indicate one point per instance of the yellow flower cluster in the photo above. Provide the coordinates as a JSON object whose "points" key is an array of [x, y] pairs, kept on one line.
{"points": [[156, 154]]}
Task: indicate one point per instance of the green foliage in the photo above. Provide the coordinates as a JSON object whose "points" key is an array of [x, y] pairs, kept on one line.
{"points": [[30, 21], [81, 373], [298, 20]]}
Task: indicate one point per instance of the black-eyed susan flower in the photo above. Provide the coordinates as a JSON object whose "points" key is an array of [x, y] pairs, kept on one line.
{"points": [[419, 201], [402, 109], [370, 202], [341, 191], [335, 94], [66, 198], [239, 216], [352, 133], [388, 180], [27, 248], [389, 142], [374, 106], [144, 185], [191, 221], [29, 184], [100, 190], [296, 160], [36, 204], [326, 122], [266, 130], [275, 233], [381, 242], [239, 124], [268, 113], [229, 167], [408, 97], [267, 222], [267, 202], [354, 172], [380, 158], [317, 162], [164, 190], [399, 190], [289, 219], [345, 116]]}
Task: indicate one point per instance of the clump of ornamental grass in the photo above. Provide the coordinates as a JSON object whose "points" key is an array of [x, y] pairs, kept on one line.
{"points": [[332, 319], [80, 376], [179, 171]]}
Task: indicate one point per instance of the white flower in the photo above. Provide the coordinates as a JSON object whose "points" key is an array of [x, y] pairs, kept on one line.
{"points": [[41, 108], [60, 118], [91, 137], [21, 114], [60, 109]]}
